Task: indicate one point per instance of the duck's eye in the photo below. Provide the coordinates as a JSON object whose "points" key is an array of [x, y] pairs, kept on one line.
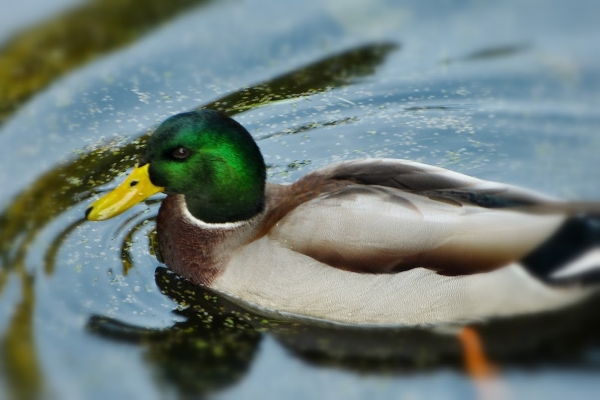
{"points": [[181, 153]]}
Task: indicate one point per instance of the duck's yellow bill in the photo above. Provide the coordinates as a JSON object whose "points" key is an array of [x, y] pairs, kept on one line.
{"points": [[136, 188]]}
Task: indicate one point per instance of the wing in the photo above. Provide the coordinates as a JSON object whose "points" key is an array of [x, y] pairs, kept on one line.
{"points": [[434, 182], [388, 215], [380, 229]]}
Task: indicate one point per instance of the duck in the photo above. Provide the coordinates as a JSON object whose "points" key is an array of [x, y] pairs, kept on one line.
{"points": [[367, 242]]}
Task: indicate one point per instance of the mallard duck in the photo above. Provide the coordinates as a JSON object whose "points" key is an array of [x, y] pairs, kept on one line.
{"points": [[373, 242]]}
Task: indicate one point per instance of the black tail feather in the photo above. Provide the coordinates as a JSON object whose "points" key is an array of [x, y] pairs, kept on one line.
{"points": [[578, 235]]}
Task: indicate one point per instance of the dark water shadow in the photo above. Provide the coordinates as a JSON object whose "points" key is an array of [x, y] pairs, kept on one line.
{"points": [[306, 127], [334, 71], [212, 349], [490, 53], [561, 338], [19, 359], [433, 108]]}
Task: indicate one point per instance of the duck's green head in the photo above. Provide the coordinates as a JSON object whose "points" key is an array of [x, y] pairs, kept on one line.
{"points": [[204, 155]]}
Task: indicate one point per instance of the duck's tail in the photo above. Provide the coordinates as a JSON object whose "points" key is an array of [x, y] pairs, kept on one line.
{"points": [[571, 255]]}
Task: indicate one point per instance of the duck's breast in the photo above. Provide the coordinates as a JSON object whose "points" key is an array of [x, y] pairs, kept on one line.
{"points": [[268, 277]]}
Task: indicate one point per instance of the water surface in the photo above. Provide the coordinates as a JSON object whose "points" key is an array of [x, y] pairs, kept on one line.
{"points": [[500, 90]]}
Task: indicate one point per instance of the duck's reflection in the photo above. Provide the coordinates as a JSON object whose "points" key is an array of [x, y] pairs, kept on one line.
{"points": [[210, 350], [216, 344]]}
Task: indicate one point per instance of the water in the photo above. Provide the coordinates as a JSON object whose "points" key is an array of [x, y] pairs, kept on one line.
{"points": [[500, 90]]}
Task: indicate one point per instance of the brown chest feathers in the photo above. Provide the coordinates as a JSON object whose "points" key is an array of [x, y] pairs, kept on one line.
{"points": [[189, 251]]}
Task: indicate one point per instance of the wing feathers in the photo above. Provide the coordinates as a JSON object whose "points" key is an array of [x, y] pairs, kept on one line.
{"points": [[433, 181], [387, 215]]}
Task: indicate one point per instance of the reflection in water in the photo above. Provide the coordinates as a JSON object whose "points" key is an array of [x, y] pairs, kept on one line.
{"points": [[19, 358], [54, 194], [334, 71], [491, 53], [211, 349], [531, 340]]}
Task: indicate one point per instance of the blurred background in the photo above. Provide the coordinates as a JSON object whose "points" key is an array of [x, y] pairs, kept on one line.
{"points": [[502, 90]]}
